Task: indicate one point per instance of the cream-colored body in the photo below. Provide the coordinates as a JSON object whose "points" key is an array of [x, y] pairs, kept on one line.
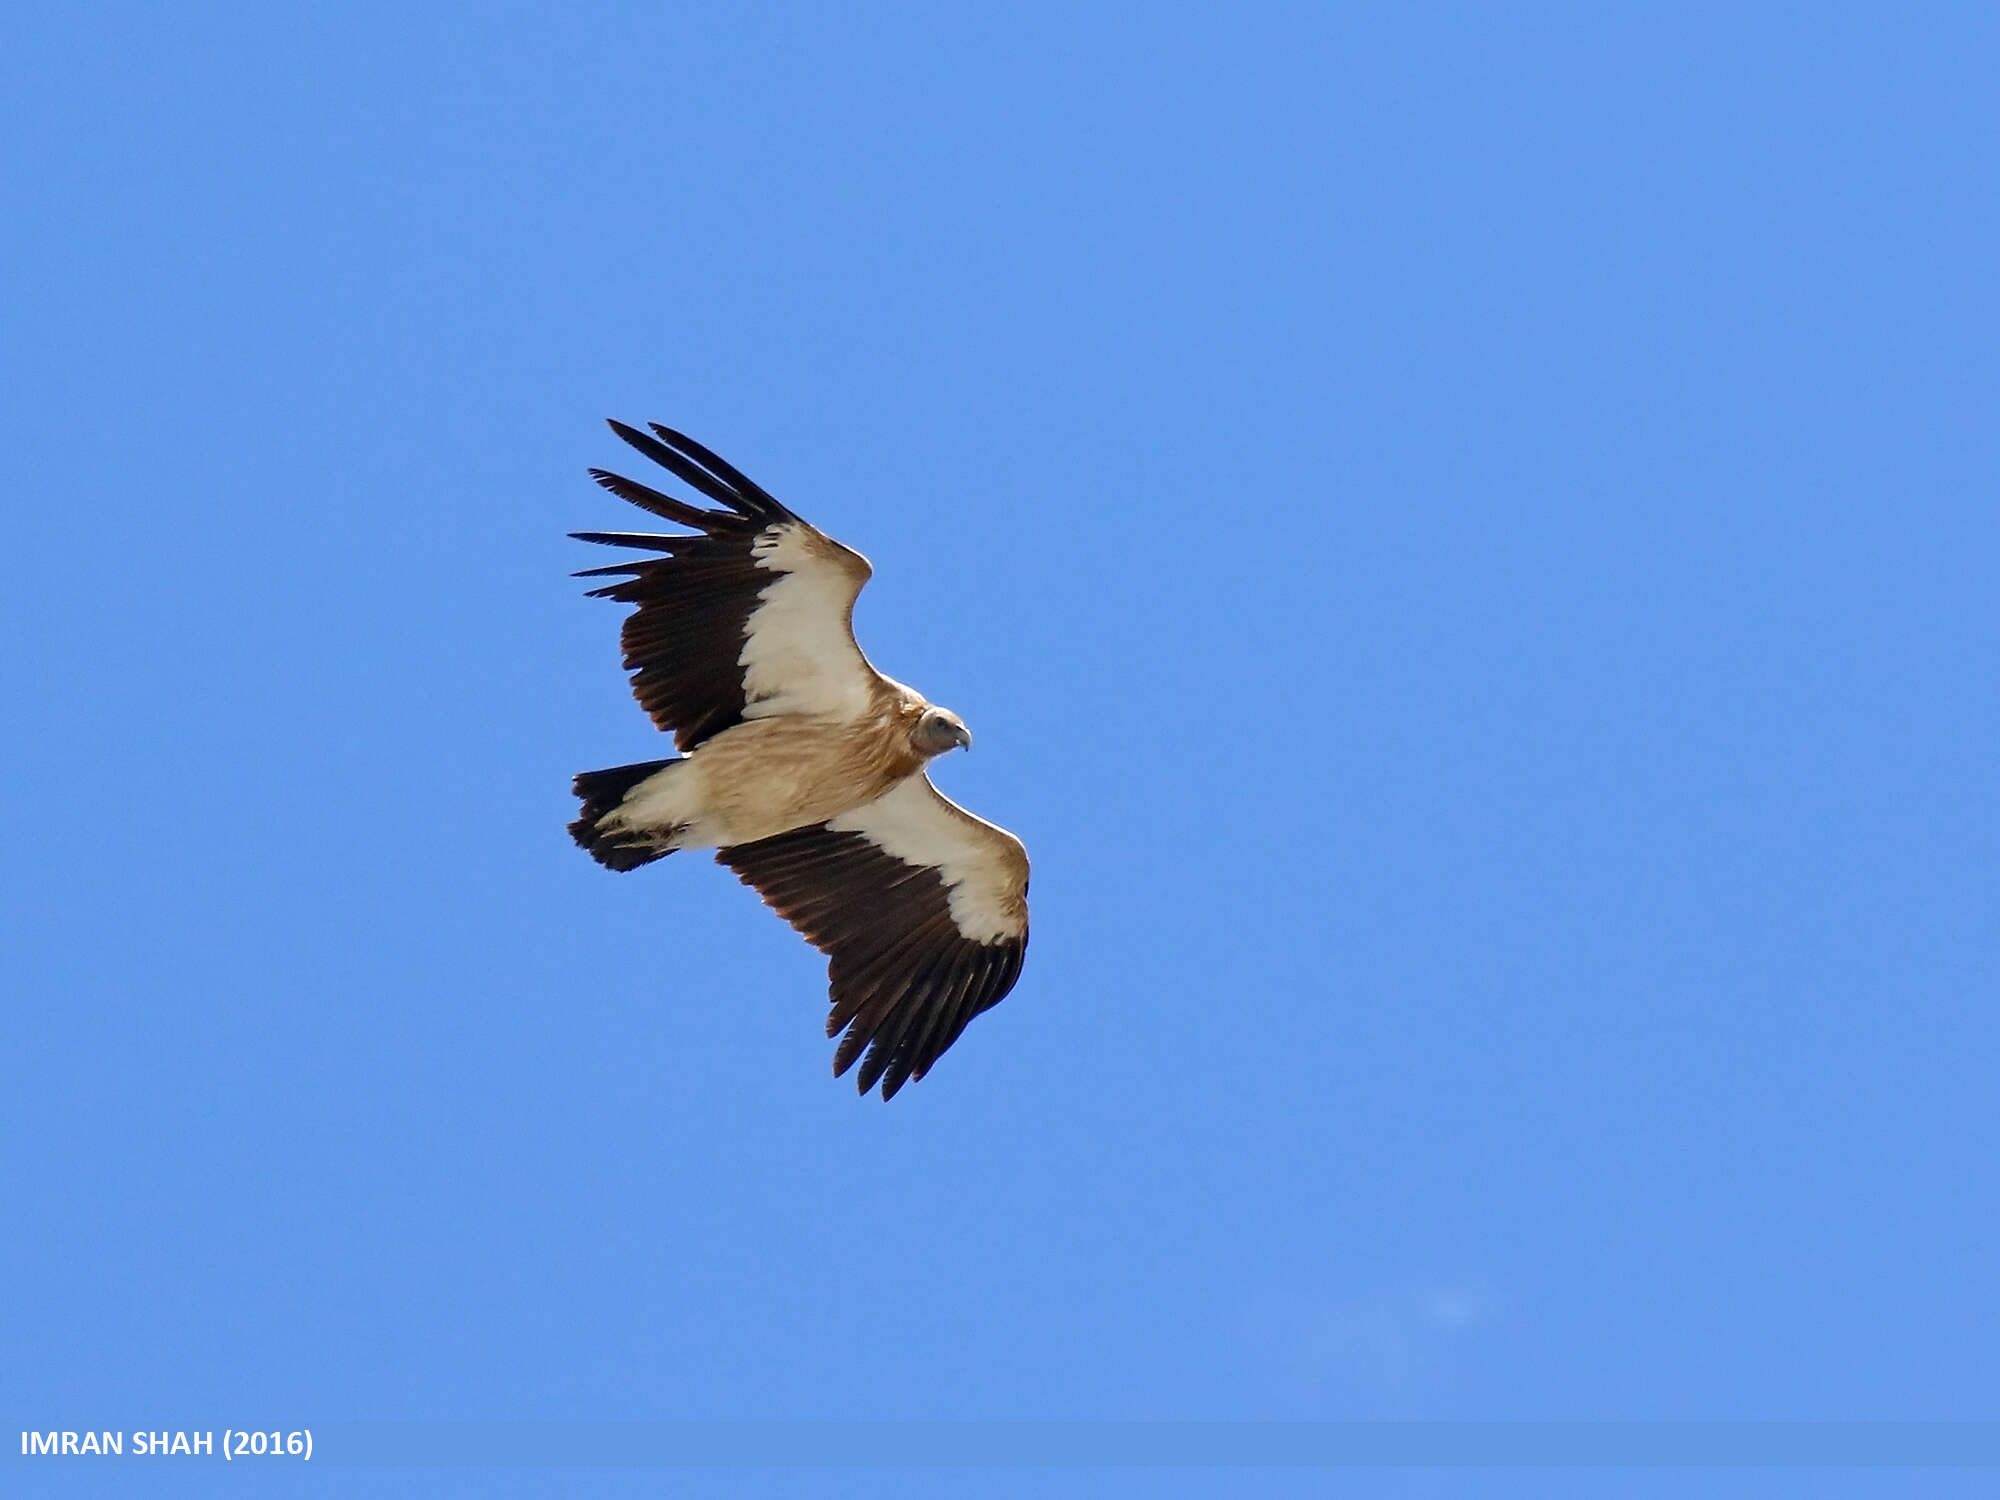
{"points": [[770, 775]]}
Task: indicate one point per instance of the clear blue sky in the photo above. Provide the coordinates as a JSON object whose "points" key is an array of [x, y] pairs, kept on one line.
{"points": [[1466, 537]]}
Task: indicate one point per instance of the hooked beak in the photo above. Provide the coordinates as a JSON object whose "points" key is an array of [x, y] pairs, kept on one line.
{"points": [[964, 737]]}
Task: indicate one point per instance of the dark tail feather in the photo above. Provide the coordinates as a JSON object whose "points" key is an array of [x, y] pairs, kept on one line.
{"points": [[602, 791]]}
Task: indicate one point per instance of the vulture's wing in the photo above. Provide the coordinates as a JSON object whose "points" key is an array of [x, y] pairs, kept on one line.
{"points": [[922, 910], [750, 617]]}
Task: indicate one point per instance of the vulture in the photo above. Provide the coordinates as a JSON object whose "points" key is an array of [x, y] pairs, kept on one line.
{"points": [[801, 765]]}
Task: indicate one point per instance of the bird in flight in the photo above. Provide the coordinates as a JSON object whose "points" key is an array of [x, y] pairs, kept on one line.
{"points": [[802, 766]]}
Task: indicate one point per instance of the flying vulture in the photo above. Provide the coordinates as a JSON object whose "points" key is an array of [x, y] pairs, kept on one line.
{"points": [[802, 766]]}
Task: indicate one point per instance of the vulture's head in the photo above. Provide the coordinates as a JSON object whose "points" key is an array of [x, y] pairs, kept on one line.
{"points": [[939, 730]]}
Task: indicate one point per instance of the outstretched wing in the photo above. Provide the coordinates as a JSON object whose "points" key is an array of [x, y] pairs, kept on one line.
{"points": [[922, 911], [749, 617]]}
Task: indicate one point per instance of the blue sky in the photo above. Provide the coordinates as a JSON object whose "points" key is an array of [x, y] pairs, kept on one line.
{"points": [[1465, 537]]}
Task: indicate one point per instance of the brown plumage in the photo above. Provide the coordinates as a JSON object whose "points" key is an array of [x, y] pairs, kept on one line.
{"points": [[804, 766]]}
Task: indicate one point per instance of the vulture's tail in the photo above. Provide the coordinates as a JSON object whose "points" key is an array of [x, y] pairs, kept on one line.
{"points": [[617, 847]]}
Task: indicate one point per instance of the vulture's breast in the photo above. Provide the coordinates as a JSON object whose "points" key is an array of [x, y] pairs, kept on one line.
{"points": [[767, 776]]}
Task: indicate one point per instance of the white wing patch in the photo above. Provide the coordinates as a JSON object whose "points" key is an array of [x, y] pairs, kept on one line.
{"points": [[799, 655], [982, 866]]}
